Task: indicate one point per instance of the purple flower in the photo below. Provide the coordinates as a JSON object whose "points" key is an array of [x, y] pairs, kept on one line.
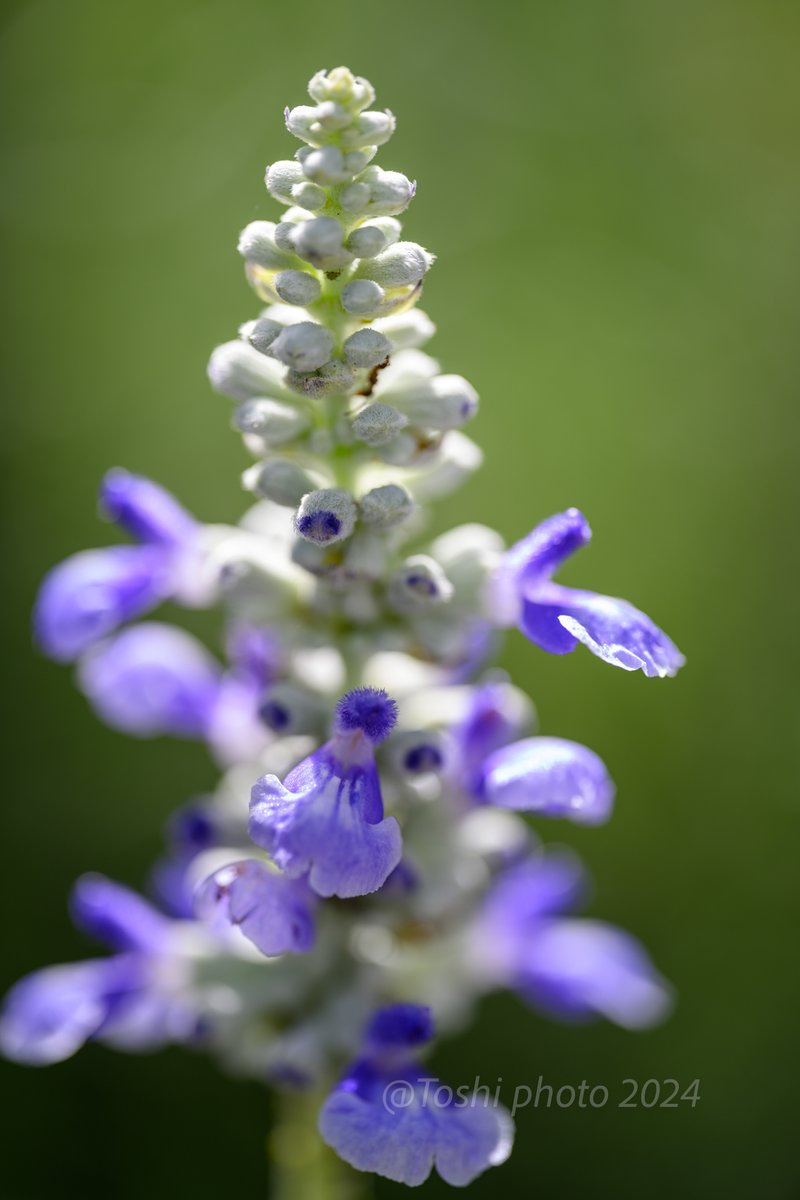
{"points": [[557, 618], [274, 912], [571, 968], [129, 1000], [494, 717], [326, 819], [551, 777], [92, 593], [390, 1116], [152, 679]]}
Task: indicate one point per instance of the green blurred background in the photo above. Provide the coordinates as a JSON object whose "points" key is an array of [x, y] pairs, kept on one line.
{"points": [[613, 191]]}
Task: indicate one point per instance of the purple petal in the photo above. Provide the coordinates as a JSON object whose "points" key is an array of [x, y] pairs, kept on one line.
{"points": [[92, 593], [552, 777], [327, 820], [393, 1126], [145, 510], [116, 915], [49, 1015], [152, 679], [576, 969], [493, 719], [619, 634], [273, 912], [399, 1027]]}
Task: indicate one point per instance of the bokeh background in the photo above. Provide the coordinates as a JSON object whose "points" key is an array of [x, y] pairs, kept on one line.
{"points": [[613, 188]]}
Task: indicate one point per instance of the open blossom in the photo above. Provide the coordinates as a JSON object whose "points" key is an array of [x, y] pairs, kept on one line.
{"points": [[365, 868]]}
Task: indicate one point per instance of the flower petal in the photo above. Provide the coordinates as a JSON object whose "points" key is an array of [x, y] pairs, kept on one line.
{"points": [[552, 777], [144, 510], [273, 912], [116, 915]]}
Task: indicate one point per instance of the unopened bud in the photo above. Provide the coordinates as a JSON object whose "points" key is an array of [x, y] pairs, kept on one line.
{"points": [[378, 424], [289, 710], [362, 297], [386, 506], [239, 371], [371, 129], [372, 237], [320, 243], [341, 86], [278, 480], [367, 348], [325, 165], [326, 516], [366, 554], [273, 423], [354, 198], [303, 347], [418, 585], [390, 192], [282, 177], [406, 330], [261, 333], [297, 287], [444, 402], [402, 264], [257, 245], [416, 752], [309, 196], [331, 379]]}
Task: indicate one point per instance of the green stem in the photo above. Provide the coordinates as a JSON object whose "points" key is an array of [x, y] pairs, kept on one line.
{"points": [[302, 1167]]}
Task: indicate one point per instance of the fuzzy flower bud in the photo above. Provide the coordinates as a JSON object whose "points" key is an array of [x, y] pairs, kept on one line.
{"points": [[406, 330], [367, 348], [373, 237], [309, 195], [257, 245], [378, 193], [326, 516], [378, 424], [402, 264], [239, 371], [282, 177], [341, 87], [278, 480], [325, 166], [419, 584], [444, 402], [362, 297], [320, 243], [385, 507], [334, 377], [270, 421], [261, 333], [289, 710], [303, 347], [371, 129], [297, 287]]}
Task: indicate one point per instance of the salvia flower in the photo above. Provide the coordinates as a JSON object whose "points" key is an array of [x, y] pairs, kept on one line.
{"points": [[364, 869]]}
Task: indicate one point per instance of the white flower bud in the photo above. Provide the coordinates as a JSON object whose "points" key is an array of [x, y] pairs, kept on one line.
{"points": [[261, 333], [320, 242], [400, 451], [371, 129], [237, 370], [253, 579], [378, 424], [367, 348], [290, 710], [297, 287], [406, 330], [362, 297], [278, 480], [309, 196], [355, 160], [400, 265], [257, 245], [372, 237], [418, 585], [326, 516], [386, 506], [282, 177], [359, 604], [285, 231], [334, 377], [303, 347], [390, 192], [312, 558], [271, 422], [300, 120], [469, 554], [416, 751], [444, 402], [341, 86], [407, 368], [354, 198], [324, 165], [332, 116]]}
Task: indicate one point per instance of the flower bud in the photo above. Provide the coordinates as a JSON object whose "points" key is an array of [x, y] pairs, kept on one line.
{"points": [[309, 196], [303, 347], [354, 198], [367, 348], [237, 370], [301, 121], [282, 177], [390, 192], [270, 421], [333, 378], [370, 129], [297, 287], [286, 229], [261, 333], [320, 242], [332, 116], [378, 424], [278, 480], [418, 585], [289, 710], [326, 516], [402, 264], [416, 751], [401, 451], [257, 245], [325, 165], [372, 237], [366, 555], [458, 458], [444, 402], [341, 86], [406, 330], [362, 297], [386, 506], [469, 554]]}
